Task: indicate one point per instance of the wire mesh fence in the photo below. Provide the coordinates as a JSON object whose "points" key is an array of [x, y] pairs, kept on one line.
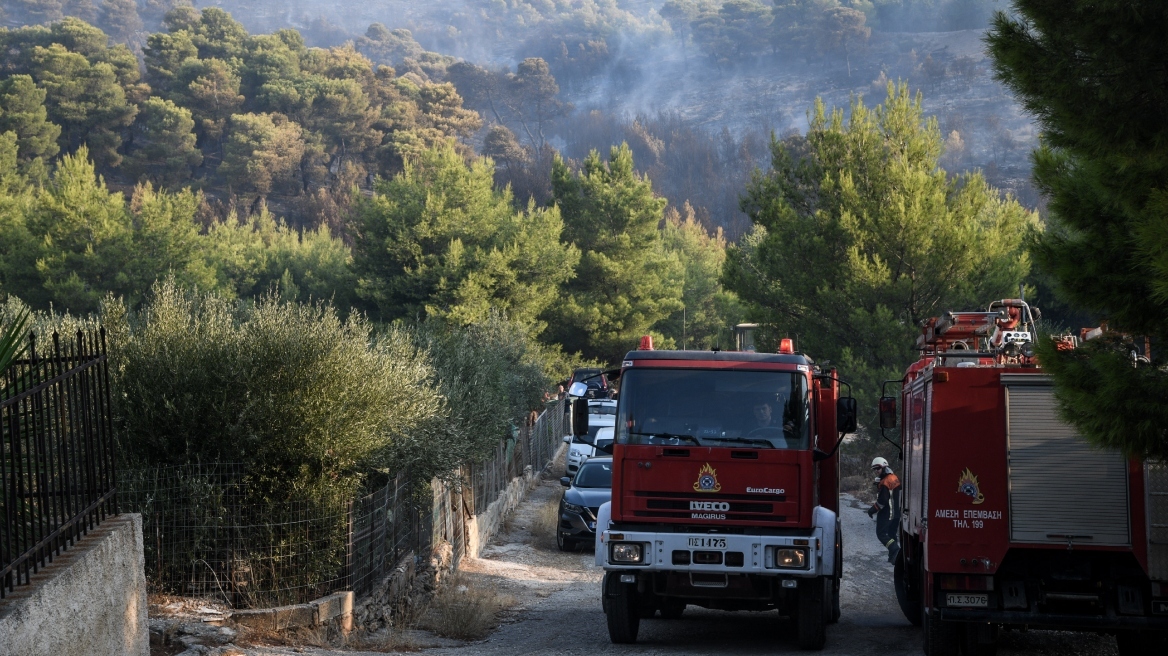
{"points": [[208, 533], [56, 452]]}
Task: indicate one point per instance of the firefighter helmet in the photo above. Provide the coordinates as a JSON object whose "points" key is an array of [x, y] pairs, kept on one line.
{"points": [[879, 462]]}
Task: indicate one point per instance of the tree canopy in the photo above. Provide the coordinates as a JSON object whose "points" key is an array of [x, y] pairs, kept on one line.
{"points": [[439, 240], [1093, 75], [859, 236], [627, 279]]}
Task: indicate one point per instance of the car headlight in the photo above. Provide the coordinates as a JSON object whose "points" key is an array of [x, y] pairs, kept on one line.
{"points": [[573, 508], [790, 558], [625, 552]]}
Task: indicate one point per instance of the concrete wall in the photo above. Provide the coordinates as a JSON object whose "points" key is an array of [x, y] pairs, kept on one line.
{"points": [[90, 601]]}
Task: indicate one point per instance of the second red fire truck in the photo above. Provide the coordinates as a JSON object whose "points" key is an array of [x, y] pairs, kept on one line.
{"points": [[1010, 519]]}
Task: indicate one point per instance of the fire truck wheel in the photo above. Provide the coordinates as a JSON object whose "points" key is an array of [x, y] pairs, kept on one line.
{"points": [[811, 613], [622, 616], [941, 637], [672, 608], [906, 594]]}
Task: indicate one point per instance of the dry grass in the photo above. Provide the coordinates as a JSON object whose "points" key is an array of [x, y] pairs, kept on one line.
{"points": [[465, 609], [547, 521]]}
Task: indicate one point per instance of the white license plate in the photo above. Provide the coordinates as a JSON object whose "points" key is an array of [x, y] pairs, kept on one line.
{"points": [[708, 543], [961, 600]]}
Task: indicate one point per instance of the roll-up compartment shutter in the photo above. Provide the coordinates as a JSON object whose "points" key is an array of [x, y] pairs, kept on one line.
{"points": [[1156, 479], [1061, 488]]}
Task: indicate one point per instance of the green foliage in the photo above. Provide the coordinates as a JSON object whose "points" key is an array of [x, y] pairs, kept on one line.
{"points": [[13, 342], [1092, 76], [164, 144], [22, 112], [627, 280], [709, 311], [262, 151], [290, 390], [439, 240], [247, 257], [1104, 370], [71, 242], [491, 374], [119, 19], [860, 235]]}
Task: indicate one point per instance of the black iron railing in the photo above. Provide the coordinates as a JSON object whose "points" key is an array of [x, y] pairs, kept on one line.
{"points": [[56, 452]]}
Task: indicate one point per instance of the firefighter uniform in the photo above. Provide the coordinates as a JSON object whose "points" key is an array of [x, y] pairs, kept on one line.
{"points": [[887, 511]]}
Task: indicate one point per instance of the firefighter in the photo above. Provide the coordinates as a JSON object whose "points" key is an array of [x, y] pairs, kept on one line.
{"points": [[886, 510]]}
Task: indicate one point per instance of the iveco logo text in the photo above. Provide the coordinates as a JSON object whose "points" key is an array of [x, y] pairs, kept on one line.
{"points": [[765, 490], [716, 506]]}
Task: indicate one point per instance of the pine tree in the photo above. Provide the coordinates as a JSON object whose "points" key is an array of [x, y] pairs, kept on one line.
{"points": [[627, 280], [164, 144], [1093, 75], [439, 240], [22, 111], [859, 236]]}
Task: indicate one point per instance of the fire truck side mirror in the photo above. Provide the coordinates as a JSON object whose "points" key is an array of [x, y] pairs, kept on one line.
{"points": [[845, 415], [887, 412], [580, 417]]}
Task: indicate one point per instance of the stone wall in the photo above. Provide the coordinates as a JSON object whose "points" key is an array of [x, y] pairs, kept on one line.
{"points": [[414, 577], [90, 601]]}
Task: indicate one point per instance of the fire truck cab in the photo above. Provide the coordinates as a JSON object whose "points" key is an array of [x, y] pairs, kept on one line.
{"points": [[725, 489], [1011, 519]]}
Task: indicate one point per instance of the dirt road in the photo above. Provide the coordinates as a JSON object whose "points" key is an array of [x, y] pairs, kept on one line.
{"points": [[560, 611]]}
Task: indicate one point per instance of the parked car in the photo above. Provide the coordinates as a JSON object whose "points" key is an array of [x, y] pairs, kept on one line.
{"points": [[595, 381], [583, 446], [591, 487]]}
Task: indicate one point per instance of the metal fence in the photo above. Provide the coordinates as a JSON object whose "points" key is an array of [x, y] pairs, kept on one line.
{"points": [[56, 452], [207, 533]]}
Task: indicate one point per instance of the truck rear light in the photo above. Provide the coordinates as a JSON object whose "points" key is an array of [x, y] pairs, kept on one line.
{"points": [[1159, 589], [787, 558], [735, 559], [626, 552], [680, 557], [965, 582]]}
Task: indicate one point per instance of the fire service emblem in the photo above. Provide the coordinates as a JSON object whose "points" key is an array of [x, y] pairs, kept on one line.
{"points": [[707, 480], [967, 484]]}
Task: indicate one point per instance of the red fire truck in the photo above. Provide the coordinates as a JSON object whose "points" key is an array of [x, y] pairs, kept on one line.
{"points": [[725, 489], [1010, 519]]}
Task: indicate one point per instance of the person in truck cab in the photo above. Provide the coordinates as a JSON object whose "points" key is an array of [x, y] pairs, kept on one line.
{"points": [[886, 510], [766, 422]]}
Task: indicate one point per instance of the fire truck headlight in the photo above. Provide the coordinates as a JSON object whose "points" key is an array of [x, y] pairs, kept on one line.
{"points": [[625, 552], [790, 558]]}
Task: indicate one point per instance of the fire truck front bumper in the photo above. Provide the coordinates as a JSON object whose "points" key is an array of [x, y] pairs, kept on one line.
{"points": [[807, 555]]}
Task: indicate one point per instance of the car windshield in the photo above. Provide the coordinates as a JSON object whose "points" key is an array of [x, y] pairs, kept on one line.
{"points": [[595, 474], [703, 407], [605, 409]]}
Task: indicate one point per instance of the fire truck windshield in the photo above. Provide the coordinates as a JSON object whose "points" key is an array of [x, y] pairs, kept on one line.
{"points": [[741, 409]]}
